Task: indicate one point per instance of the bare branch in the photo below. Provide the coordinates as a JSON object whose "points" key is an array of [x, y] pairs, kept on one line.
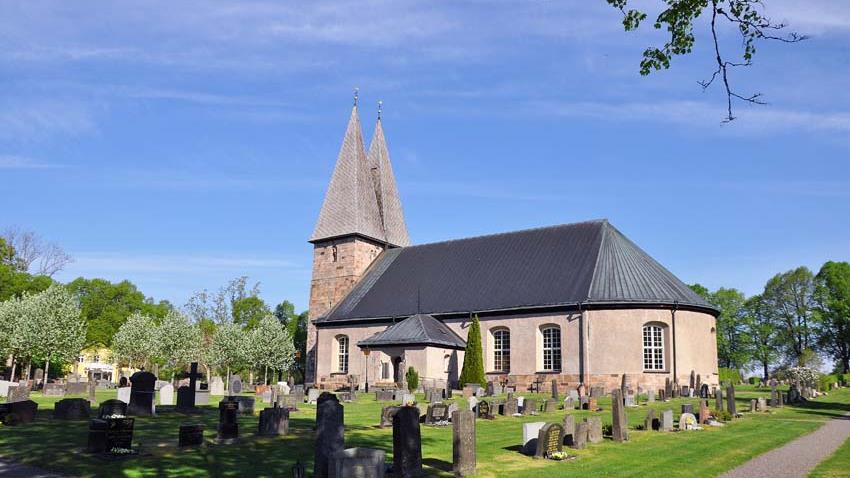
{"points": [[33, 254]]}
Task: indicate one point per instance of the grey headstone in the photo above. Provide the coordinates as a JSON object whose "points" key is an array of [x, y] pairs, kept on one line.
{"points": [[651, 423], [313, 395], [124, 394], [550, 439], [650, 396], [407, 443], [235, 385], [510, 407], [330, 415], [730, 401], [273, 422], [529, 406], [387, 414], [580, 435], [166, 394], [53, 390], [72, 409], [550, 405], [619, 427], [594, 429], [357, 463], [667, 420], [463, 439], [569, 429], [19, 393]]}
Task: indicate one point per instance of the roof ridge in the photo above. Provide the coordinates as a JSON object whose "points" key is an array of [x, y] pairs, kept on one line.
{"points": [[604, 234], [509, 233]]}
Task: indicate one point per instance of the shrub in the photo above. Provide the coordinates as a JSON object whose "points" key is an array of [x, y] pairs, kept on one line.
{"points": [[412, 379], [825, 382], [473, 359], [721, 415], [752, 380], [730, 375]]}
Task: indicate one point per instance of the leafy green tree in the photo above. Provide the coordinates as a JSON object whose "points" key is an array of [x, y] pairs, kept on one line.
{"points": [[832, 312], [473, 359], [249, 311], [762, 333], [14, 283], [269, 345], [732, 350], [107, 305], [788, 298], [678, 18], [296, 324], [135, 341]]}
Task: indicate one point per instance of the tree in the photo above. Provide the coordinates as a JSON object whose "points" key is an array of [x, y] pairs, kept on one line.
{"points": [[219, 307], [473, 359], [178, 341], [732, 339], [135, 340], [296, 324], [678, 18], [788, 297], [762, 333], [106, 306], [269, 345], [54, 317], [249, 311], [832, 312], [226, 348], [33, 254], [14, 282]]}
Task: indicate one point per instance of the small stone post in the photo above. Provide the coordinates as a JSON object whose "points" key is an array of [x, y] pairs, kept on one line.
{"points": [[463, 439], [619, 428]]}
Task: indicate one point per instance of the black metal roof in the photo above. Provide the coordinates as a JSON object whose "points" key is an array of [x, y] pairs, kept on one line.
{"points": [[589, 262], [419, 329]]}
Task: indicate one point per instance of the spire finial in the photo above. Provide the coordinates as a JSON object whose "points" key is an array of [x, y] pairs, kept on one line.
{"points": [[356, 94], [380, 108]]}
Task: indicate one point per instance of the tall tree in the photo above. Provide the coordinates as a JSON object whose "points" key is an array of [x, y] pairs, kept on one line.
{"points": [[788, 297], [178, 341], [678, 18], [228, 305], [269, 346], [296, 324], [762, 333], [473, 359], [832, 312], [135, 341], [731, 328], [226, 350], [249, 311], [35, 255], [13, 281]]}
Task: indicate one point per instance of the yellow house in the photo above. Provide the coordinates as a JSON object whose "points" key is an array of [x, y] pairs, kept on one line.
{"points": [[97, 360]]}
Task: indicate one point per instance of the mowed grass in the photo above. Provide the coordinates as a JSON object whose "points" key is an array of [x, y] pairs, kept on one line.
{"points": [[837, 465], [60, 445]]}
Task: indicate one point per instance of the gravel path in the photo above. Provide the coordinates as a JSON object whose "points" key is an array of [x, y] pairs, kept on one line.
{"points": [[798, 458], [10, 469]]}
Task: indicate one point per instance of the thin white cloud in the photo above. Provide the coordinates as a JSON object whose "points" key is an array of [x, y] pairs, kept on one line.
{"points": [[42, 118], [131, 264], [20, 162], [811, 16]]}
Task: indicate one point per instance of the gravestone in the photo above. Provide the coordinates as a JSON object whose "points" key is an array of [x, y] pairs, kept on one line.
{"points": [[19, 393], [580, 435], [4, 388], [39, 375], [687, 422], [619, 427], [463, 442], [246, 404], [273, 422], [510, 407], [228, 424], [581, 390], [408, 398], [288, 402], [555, 389], [730, 401], [584, 402], [76, 388], [18, 413], [483, 410], [666, 420], [687, 408], [530, 434], [447, 392], [762, 404], [92, 385], [72, 409], [569, 429], [594, 429], [53, 390], [166, 394], [235, 385], [718, 399], [591, 404], [550, 405], [703, 391], [491, 389], [686, 391], [703, 412], [123, 382], [217, 386], [550, 439], [692, 383], [752, 405], [202, 398], [569, 403], [124, 394], [662, 394], [384, 396], [625, 386], [141, 393], [357, 463], [329, 432], [112, 407], [630, 400], [573, 394], [313, 395], [651, 423], [186, 395], [668, 388], [437, 412], [407, 443], [597, 392], [108, 433], [190, 435], [529, 406], [472, 402], [387, 414], [650, 396]]}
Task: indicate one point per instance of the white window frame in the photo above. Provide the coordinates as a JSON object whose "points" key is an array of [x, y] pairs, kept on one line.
{"points": [[342, 354], [502, 350], [551, 348], [653, 348]]}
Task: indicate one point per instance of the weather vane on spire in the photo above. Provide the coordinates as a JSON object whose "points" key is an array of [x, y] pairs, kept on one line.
{"points": [[356, 93], [380, 108]]}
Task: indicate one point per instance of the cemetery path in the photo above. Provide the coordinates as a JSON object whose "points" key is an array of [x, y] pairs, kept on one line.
{"points": [[10, 469], [798, 458]]}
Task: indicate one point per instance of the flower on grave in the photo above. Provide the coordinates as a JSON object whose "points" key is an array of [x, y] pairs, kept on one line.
{"points": [[115, 416], [120, 451], [558, 455]]}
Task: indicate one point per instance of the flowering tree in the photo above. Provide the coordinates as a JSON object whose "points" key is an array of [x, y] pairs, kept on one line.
{"points": [[51, 326], [269, 345], [178, 341], [134, 342], [806, 377], [226, 349], [10, 315]]}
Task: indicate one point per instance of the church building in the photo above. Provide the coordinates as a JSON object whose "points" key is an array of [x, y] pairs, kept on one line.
{"points": [[579, 303]]}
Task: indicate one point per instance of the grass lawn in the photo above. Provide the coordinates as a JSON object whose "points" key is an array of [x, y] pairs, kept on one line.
{"points": [[60, 446], [838, 465]]}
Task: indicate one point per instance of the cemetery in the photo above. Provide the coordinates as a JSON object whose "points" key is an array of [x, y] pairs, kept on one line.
{"points": [[249, 435]]}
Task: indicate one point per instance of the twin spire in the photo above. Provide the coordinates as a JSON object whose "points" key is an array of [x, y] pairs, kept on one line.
{"points": [[362, 198]]}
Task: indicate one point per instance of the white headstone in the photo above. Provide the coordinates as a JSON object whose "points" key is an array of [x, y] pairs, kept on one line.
{"points": [[166, 394], [472, 402], [520, 401], [217, 386], [124, 394], [4, 388], [408, 398], [312, 394], [530, 431], [284, 388], [688, 422], [267, 395]]}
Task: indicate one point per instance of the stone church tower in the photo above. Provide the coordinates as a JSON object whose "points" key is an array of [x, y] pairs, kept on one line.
{"points": [[360, 217]]}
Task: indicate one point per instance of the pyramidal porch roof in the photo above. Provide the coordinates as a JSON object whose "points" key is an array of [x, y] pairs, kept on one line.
{"points": [[419, 329]]}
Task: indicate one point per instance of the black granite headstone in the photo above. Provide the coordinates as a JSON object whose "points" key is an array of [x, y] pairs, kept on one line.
{"points": [[407, 443], [111, 407], [18, 413], [273, 421], [72, 409], [228, 425], [329, 432], [142, 393]]}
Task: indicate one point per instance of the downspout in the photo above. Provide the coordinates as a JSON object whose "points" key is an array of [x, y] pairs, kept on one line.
{"points": [[673, 315], [581, 351]]}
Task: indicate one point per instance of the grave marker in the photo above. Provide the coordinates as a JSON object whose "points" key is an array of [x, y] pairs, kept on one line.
{"points": [[72, 409], [407, 443], [166, 395], [142, 393], [273, 422], [190, 435], [463, 442], [550, 439], [594, 429], [329, 432], [666, 420], [619, 427], [228, 424]]}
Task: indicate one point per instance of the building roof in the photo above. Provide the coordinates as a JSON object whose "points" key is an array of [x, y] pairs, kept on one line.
{"points": [[419, 329], [389, 202], [350, 205], [591, 263]]}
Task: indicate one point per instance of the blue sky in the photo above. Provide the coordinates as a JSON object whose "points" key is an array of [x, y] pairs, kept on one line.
{"points": [[181, 144]]}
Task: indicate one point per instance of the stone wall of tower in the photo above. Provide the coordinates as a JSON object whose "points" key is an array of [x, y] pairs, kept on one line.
{"points": [[338, 264]]}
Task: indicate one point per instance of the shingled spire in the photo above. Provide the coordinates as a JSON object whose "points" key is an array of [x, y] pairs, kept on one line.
{"points": [[389, 202], [351, 205]]}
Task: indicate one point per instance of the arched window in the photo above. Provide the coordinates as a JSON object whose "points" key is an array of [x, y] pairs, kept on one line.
{"points": [[502, 350], [552, 349], [653, 347], [447, 361], [342, 353]]}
